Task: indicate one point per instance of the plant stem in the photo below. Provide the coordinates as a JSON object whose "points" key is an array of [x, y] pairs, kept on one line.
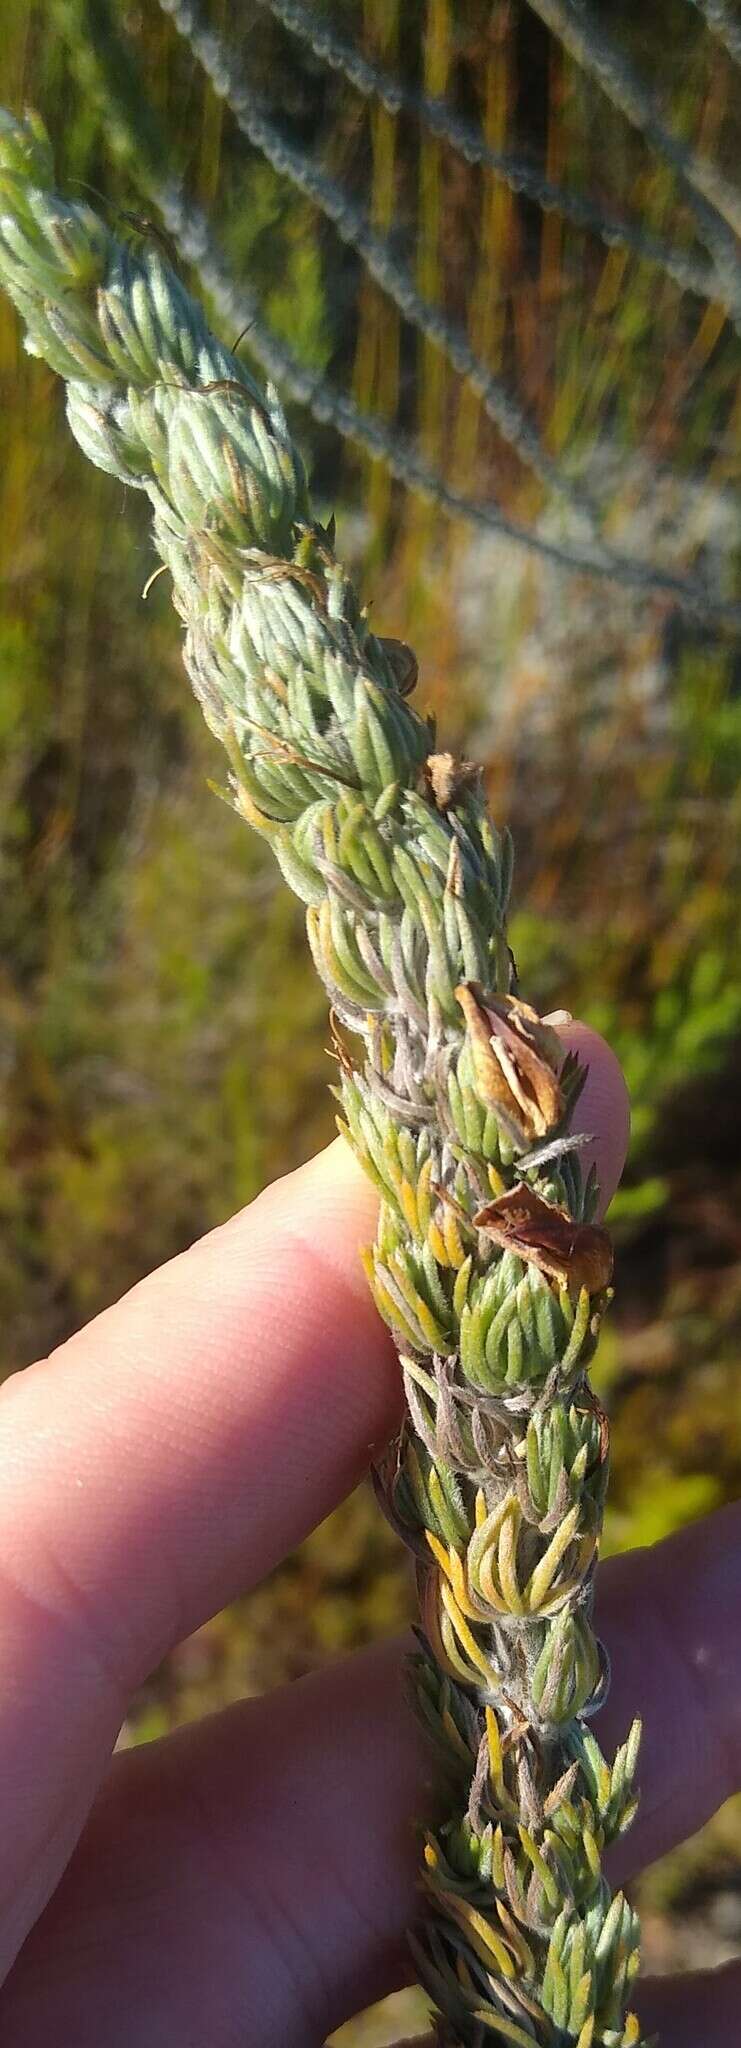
{"points": [[454, 1095]]}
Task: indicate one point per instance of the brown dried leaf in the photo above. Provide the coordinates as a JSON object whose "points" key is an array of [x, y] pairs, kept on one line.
{"points": [[286, 751], [236, 476], [339, 1050], [449, 778], [403, 661], [454, 881], [273, 569], [516, 1060], [576, 1255], [530, 1027]]}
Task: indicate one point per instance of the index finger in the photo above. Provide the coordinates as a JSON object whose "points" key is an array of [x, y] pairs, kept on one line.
{"points": [[170, 1453], [161, 1462]]}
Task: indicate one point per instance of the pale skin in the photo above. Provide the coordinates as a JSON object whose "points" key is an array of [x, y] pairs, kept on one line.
{"points": [[248, 1880]]}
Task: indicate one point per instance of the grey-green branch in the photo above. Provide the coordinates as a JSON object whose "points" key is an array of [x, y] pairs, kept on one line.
{"points": [[454, 1095]]}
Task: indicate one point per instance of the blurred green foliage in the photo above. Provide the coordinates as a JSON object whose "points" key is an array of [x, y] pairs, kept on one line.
{"points": [[161, 1036]]}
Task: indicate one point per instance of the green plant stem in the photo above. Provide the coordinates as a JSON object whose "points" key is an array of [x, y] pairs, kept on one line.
{"points": [[454, 1095]]}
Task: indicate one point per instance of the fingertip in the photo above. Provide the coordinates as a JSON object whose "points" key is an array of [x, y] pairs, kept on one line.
{"points": [[332, 1200], [329, 1188], [603, 1108], [337, 1170]]}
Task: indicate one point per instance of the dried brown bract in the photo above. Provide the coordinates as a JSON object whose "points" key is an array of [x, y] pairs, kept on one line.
{"points": [[403, 661], [576, 1255], [516, 1059], [449, 778]]}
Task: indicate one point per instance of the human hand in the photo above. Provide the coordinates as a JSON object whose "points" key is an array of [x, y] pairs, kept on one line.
{"points": [[248, 1880]]}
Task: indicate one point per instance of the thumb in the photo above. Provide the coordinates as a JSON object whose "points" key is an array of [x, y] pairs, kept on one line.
{"points": [[603, 1108]]}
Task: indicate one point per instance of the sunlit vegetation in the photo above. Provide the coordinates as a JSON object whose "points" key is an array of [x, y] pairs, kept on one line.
{"points": [[161, 1036]]}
